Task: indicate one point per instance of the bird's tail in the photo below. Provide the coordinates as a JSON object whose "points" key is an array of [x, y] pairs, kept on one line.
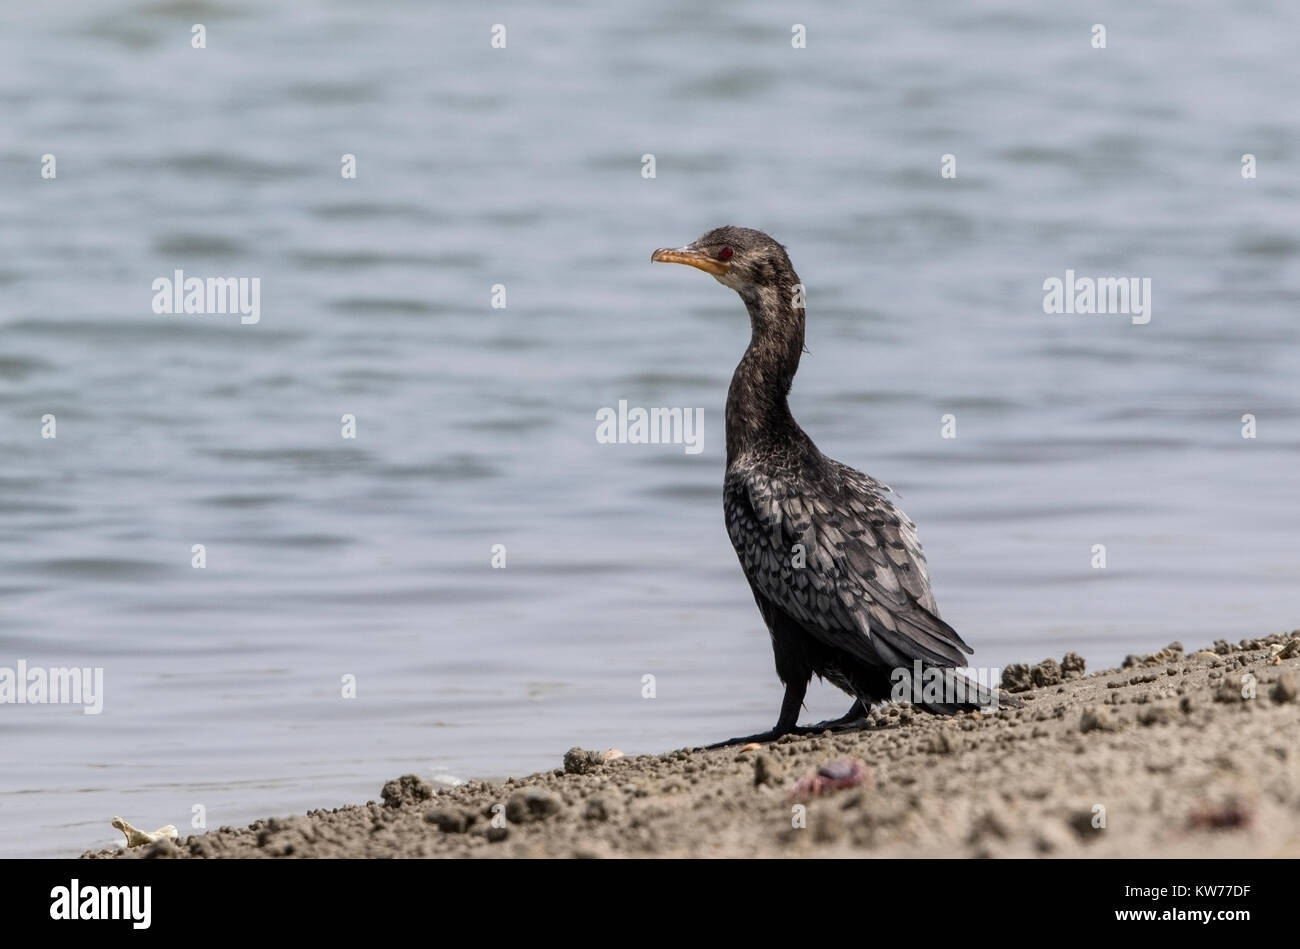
{"points": [[946, 691]]}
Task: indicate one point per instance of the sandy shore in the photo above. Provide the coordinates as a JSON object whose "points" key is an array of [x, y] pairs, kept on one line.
{"points": [[1162, 757]]}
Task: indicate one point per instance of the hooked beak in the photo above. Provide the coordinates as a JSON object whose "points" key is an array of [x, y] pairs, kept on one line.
{"points": [[692, 258]]}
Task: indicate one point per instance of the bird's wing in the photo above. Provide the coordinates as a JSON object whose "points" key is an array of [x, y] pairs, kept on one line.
{"points": [[863, 585]]}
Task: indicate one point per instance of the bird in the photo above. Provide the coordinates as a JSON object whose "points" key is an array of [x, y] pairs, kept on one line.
{"points": [[835, 566]]}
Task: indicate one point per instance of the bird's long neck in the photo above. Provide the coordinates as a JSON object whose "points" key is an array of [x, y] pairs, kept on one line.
{"points": [[757, 410]]}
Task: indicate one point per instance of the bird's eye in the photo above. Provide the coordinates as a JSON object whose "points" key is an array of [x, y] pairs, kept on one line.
{"points": [[726, 253]]}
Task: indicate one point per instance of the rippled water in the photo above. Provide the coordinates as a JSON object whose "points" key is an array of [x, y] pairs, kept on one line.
{"points": [[476, 166]]}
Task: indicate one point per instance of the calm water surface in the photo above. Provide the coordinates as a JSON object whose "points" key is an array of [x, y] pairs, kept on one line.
{"points": [[371, 557]]}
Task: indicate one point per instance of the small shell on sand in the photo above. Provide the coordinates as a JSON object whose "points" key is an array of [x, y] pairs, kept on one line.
{"points": [[752, 746], [138, 838]]}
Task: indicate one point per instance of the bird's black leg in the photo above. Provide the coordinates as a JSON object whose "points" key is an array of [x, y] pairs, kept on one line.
{"points": [[850, 718], [795, 689], [785, 724]]}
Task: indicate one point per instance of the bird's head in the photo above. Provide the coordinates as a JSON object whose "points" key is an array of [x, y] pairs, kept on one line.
{"points": [[741, 258]]}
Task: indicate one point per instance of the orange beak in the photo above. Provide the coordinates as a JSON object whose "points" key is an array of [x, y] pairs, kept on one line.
{"points": [[692, 258]]}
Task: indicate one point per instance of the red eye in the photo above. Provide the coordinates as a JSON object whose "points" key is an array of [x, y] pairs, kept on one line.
{"points": [[726, 253]]}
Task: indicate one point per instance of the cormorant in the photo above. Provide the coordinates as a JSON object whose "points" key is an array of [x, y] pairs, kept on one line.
{"points": [[835, 567]]}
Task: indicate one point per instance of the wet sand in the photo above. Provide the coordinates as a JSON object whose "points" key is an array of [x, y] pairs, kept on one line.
{"points": [[1173, 754]]}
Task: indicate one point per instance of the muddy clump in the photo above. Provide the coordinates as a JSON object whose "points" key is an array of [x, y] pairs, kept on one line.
{"points": [[408, 789]]}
